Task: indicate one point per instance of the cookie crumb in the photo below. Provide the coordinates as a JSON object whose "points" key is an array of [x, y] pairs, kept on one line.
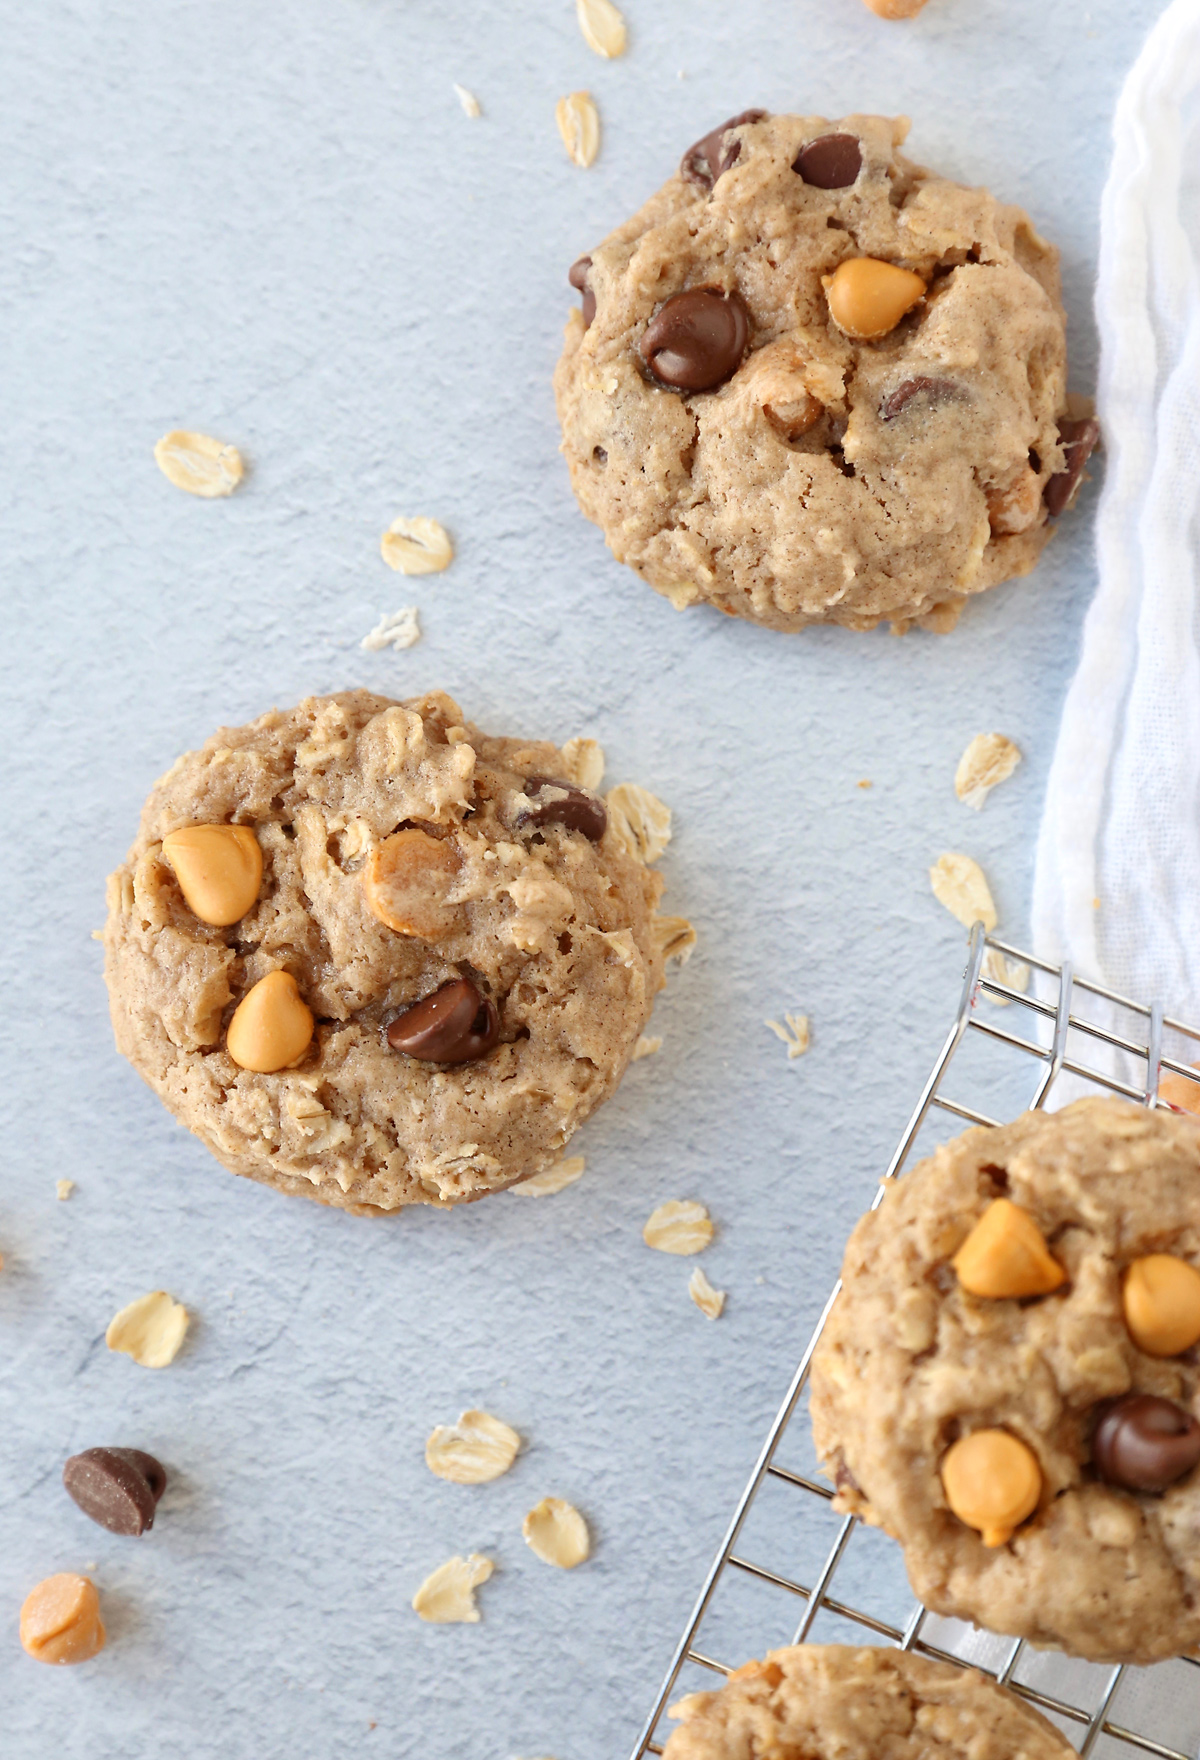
{"points": [[645, 1047], [794, 1033], [476, 1450], [579, 125], [959, 884], [63, 1189], [990, 758], [603, 27], [551, 1179], [395, 629], [470, 104], [447, 1596], [710, 1301], [679, 1226], [416, 546], [557, 1534], [150, 1329]]}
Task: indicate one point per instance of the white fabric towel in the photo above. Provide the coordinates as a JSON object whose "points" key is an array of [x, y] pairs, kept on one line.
{"points": [[1117, 883]]}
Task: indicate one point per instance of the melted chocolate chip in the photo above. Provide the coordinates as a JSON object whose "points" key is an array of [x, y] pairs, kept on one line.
{"points": [[565, 805], [579, 277], [710, 157], [117, 1487], [696, 340], [832, 161], [1145, 1443], [1079, 441], [453, 1025], [934, 391]]}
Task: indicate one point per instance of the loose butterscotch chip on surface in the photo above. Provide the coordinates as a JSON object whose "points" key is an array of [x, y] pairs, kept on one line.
{"points": [[60, 1620]]}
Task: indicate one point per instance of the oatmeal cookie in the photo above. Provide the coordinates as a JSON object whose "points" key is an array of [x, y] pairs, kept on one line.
{"points": [[1008, 1382], [373, 956], [811, 382], [835, 1702]]}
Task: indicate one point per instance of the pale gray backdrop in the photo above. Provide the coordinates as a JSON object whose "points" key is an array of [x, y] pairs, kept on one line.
{"points": [[274, 223]]}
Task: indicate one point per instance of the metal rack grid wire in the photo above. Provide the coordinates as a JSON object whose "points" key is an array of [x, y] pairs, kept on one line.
{"points": [[1079, 1036]]}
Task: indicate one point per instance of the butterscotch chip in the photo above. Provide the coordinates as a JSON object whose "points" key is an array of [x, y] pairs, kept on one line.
{"points": [[959, 883], [989, 759], [579, 125], [406, 880], [553, 1179], [557, 1533], [475, 1450], [679, 1226], [199, 464], [639, 821], [447, 1596], [60, 1620], [150, 1329], [710, 1301], [416, 546]]}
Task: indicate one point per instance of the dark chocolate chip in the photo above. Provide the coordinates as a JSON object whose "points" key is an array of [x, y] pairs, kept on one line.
{"points": [[580, 280], [117, 1487], [934, 391], [832, 161], [710, 157], [696, 340], [565, 805], [452, 1025], [1145, 1443], [1079, 441]]}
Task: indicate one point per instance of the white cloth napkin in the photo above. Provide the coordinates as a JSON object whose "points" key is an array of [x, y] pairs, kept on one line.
{"points": [[1117, 881]]}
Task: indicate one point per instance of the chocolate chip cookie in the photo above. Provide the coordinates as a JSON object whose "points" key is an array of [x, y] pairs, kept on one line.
{"points": [[1009, 1381], [373, 956], [834, 1702], [811, 382]]}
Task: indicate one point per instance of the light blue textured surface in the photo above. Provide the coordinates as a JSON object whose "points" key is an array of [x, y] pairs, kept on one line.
{"points": [[274, 224]]}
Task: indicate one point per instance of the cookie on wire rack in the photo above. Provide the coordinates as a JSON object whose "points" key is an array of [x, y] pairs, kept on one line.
{"points": [[1008, 1382], [837, 1702]]}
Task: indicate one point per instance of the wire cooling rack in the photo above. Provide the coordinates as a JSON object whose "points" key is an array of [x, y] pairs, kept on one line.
{"points": [[791, 1569]]}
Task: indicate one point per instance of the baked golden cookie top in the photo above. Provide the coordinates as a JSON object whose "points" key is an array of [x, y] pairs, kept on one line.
{"points": [[373, 956], [836, 1702], [1008, 1382], [812, 382]]}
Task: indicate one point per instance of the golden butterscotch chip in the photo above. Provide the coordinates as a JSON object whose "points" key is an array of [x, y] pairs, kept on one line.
{"points": [[557, 1533], [579, 125], [602, 26], [219, 869], [867, 297], [150, 1329], [199, 464], [639, 821], [60, 1620], [1006, 1256], [406, 879], [710, 1301], [416, 546], [447, 1596], [1161, 1299], [475, 1450], [272, 1026], [992, 1482], [990, 758], [679, 1226], [959, 883], [553, 1179]]}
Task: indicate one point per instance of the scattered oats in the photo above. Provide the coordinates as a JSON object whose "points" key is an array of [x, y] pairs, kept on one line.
{"points": [[468, 100], [557, 1533], [645, 1048], [1095, 904], [583, 762], [1012, 972], [149, 1330], [475, 1450], [990, 758], [760, 1280], [679, 1226], [395, 629], [866, 783], [199, 464], [553, 1179], [63, 1189], [675, 936], [639, 821], [602, 26], [447, 1596], [416, 546], [794, 1034], [710, 1301], [959, 884], [579, 125]]}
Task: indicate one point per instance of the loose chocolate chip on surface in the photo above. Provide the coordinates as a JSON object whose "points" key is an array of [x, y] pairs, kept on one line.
{"points": [[565, 805], [696, 340], [117, 1487], [453, 1025], [1145, 1443], [1079, 441], [934, 391], [579, 277], [704, 162], [832, 161]]}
